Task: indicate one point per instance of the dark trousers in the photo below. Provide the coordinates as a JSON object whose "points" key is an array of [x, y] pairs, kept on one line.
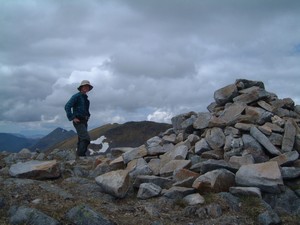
{"points": [[83, 137]]}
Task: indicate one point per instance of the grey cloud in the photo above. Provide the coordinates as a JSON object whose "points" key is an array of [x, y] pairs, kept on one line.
{"points": [[145, 58]]}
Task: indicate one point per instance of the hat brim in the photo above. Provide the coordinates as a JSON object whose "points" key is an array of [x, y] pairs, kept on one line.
{"points": [[79, 88]]}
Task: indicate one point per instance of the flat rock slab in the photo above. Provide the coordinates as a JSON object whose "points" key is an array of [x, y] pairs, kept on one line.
{"points": [[35, 169]]}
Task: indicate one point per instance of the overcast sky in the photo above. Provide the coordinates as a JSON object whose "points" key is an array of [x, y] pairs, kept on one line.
{"points": [[147, 60]]}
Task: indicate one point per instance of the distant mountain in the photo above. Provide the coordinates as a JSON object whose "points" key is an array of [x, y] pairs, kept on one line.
{"points": [[130, 134], [14, 142], [56, 136]]}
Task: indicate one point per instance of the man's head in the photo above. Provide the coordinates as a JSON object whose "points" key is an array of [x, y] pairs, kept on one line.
{"points": [[85, 86]]}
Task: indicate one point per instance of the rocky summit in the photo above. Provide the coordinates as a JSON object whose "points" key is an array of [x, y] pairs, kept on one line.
{"points": [[237, 163]]}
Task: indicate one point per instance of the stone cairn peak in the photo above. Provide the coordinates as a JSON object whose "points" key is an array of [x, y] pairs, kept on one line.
{"points": [[247, 144]]}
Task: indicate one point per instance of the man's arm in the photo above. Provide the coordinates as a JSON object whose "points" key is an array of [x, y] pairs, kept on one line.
{"points": [[68, 107]]}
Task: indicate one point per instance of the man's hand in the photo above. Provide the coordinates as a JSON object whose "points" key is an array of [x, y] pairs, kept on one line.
{"points": [[76, 120]]}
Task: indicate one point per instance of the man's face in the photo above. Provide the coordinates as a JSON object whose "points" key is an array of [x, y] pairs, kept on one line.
{"points": [[85, 88]]}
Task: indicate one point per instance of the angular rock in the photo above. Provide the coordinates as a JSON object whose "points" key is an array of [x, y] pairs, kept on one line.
{"points": [[170, 167], [154, 165], [251, 94], [138, 167], [286, 158], [276, 139], [264, 141], [243, 126], [182, 174], [177, 192], [244, 84], [289, 136], [25, 215], [169, 138], [179, 152], [274, 127], [269, 217], [225, 94], [213, 154], [163, 182], [202, 121], [245, 191], [258, 115], [265, 176], [178, 120], [232, 113], [115, 183], [215, 181], [265, 106], [215, 138], [201, 146], [212, 164], [194, 199], [148, 190], [289, 173], [35, 170], [134, 154], [154, 146], [241, 160], [83, 214]]}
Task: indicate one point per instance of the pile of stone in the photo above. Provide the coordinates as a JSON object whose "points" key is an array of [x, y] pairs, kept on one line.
{"points": [[247, 144]]}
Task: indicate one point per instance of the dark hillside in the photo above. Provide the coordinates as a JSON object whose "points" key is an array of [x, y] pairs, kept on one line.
{"points": [[130, 134], [134, 134], [13, 143], [52, 138]]}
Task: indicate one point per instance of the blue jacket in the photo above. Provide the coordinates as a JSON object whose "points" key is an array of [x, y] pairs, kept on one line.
{"points": [[78, 107]]}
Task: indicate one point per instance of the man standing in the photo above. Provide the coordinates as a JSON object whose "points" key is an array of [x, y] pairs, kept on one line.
{"points": [[77, 109]]}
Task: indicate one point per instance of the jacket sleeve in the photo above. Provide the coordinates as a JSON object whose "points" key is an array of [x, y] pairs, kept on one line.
{"points": [[68, 107]]}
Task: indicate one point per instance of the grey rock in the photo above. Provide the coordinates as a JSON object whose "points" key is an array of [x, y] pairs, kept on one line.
{"points": [[232, 113], [194, 199], [264, 141], [215, 181], [163, 182], [290, 173], [178, 192], [225, 94], [201, 146], [135, 153], [212, 164], [245, 191], [35, 169], [266, 176], [202, 121], [170, 167], [269, 218], [215, 138], [83, 214], [25, 215], [115, 183], [289, 136], [286, 159], [56, 190], [148, 190]]}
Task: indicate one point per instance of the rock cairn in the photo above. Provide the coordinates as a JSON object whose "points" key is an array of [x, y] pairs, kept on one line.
{"points": [[247, 144]]}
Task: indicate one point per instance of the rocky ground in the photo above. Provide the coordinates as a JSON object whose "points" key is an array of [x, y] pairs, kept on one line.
{"points": [[56, 197]]}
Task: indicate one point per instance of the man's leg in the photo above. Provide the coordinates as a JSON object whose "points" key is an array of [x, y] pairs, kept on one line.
{"points": [[83, 138]]}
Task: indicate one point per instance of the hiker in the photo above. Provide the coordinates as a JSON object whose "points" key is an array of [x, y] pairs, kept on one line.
{"points": [[77, 109]]}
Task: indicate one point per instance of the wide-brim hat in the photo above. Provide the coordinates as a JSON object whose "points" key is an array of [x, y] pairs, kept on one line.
{"points": [[85, 82]]}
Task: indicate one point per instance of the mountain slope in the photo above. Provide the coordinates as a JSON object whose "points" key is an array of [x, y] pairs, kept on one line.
{"points": [[52, 139], [130, 134], [14, 143]]}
